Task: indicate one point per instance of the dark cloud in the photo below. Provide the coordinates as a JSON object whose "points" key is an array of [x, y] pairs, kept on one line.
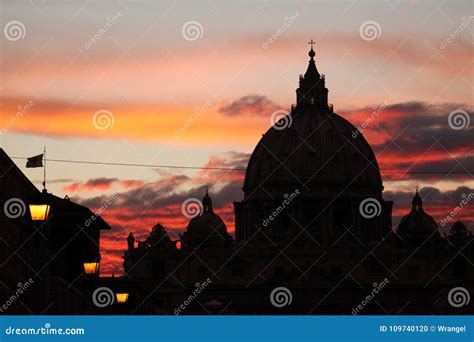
{"points": [[250, 105], [460, 168], [418, 137], [166, 195], [101, 183], [424, 126]]}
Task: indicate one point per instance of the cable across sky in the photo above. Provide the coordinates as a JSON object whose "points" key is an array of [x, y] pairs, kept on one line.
{"points": [[186, 167]]}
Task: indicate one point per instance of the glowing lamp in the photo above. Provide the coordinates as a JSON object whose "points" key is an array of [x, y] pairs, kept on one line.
{"points": [[122, 297], [91, 268], [39, 212], [40, 206]]}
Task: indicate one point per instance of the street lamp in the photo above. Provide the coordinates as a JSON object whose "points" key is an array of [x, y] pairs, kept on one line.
{"points": [[39, 212], [39, 207], [122, 297], [91, 268]]}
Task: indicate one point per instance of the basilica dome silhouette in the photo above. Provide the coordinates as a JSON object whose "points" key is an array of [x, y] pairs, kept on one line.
{"points": [[417, 225], [208, 221], [320, 156], [314, 147], [207, 229]]}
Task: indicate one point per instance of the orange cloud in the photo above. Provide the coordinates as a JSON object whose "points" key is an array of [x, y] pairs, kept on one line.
{"points": [[163, 123]]}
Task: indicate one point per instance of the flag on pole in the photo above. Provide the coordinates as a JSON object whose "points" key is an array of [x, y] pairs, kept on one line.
{"points": [[36, 161]]}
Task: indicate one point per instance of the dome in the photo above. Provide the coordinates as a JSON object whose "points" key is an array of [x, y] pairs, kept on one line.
{"points": [[314, 146], [417, 224], [207, 222]]}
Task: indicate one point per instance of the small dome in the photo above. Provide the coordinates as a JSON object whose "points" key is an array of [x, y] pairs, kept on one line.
{"points": [[207, 222], [417, 224]]}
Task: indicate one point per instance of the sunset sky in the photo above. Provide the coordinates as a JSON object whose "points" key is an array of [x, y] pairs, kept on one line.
{"points": [[176, 98]]}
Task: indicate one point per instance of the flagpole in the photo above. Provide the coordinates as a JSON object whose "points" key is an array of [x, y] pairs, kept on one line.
{"points": [[44, 169]]}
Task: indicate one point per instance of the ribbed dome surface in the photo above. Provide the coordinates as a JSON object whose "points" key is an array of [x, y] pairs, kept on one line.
{"points": [[417, 223], [317, 149], [206, 223]]}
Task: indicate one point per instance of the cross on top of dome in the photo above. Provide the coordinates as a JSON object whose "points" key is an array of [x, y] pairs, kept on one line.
{"points": [[311, 52], [417, 203], [312, 90], [207, 202], [312, 71]]}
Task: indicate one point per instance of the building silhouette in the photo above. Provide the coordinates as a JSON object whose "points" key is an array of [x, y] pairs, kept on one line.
{"points": [[47, 256], [302, 226], [313, 235]]}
